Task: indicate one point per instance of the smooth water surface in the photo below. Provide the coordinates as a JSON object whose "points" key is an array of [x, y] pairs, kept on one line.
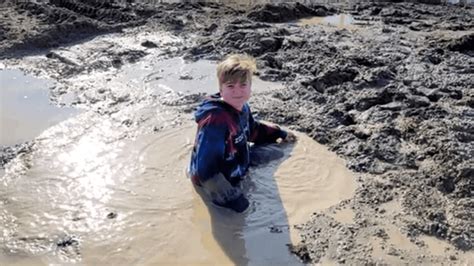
{"points": [[338, 20], [25, 109], [175, 74]]}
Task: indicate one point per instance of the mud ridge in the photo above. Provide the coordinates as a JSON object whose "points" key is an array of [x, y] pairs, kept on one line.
{"points": [[29, 25]]}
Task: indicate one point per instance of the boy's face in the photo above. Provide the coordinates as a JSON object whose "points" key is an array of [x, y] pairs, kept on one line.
{"points": [[236, 92]]}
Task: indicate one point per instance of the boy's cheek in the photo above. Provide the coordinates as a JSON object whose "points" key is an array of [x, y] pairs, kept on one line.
{"points": [[248, 96], [248, 92]]}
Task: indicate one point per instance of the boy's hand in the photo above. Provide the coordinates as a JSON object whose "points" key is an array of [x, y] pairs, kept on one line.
{"points": [[290, 138]]}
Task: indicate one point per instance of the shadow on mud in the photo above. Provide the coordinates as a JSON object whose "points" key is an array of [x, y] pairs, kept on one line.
{"points": [[260, 235]]}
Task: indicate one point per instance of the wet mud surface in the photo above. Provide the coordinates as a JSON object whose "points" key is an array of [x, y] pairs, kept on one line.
{"points": [[391, 93]]}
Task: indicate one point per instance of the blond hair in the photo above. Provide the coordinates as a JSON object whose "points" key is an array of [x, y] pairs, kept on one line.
{"points": [[236, 67]]}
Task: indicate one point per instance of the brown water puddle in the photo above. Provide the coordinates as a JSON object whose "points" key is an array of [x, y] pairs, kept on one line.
{"points": [[397, 244], [130, 202], [380, 253], [396, 241], [175, 74], [435, 245], [25, 109], [281, 193], [312, 179], [338, 20], [392, 207], [345, 216], [440, 247]]}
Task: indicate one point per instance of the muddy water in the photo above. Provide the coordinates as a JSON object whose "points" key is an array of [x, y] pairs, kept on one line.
{"points": [[338, 20], [89, 195], [130, 202], [25, 109], [344, 216], [175, 74]]}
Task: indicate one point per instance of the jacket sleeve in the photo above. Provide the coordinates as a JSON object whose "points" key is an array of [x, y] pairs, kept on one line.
{"points": [[223, 194], [261, 133], [210, 155], [210, 146]]}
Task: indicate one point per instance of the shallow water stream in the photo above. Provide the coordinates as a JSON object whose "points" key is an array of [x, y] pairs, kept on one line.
{"points": [[338, 20]]}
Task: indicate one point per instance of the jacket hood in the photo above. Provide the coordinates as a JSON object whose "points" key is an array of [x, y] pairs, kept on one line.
{"points": [[212, 103]]}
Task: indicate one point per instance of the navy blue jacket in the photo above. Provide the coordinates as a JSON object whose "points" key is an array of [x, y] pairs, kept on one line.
{"points": [[222, 140]]}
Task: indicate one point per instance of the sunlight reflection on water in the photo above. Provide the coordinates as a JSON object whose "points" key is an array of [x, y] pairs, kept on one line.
{"points": [[25, 108]]}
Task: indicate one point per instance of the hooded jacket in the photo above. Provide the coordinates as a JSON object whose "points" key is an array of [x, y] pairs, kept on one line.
{"points": [[222, 140]]}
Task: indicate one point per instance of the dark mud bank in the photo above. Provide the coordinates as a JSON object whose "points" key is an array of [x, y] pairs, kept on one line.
{"points": [[392, 95], [28, 27]]}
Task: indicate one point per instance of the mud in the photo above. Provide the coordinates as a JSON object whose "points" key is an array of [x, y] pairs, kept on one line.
{"points": [[392, 94]]}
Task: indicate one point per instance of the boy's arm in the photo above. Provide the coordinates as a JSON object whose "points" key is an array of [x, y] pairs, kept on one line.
{"points": [[223, 194], [261, 133], [210, 155], [210, 148]]}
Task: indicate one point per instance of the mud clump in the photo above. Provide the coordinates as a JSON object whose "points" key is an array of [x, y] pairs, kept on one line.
{"points": [[277, 13], [149, 44], [319, 244], [8, 153], [463, 44]]}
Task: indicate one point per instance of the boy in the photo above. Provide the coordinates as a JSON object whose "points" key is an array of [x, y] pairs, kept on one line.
{"points": [[221, 155]]}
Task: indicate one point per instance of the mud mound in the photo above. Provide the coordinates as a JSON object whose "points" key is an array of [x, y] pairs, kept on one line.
{"points": [[27, 25], [44, 25], [106, 12], [277, 13], [8, 153], [463, 44], [417, 17], [330, 236]]}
